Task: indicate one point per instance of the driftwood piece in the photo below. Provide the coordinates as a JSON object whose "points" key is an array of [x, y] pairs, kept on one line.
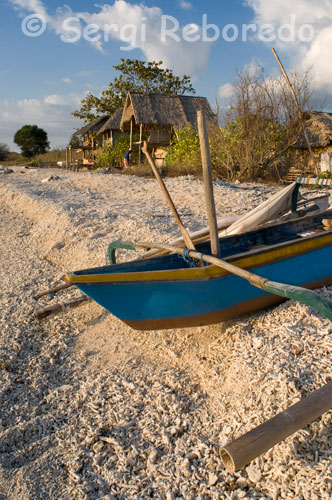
{"points": [[52, 290], [243, 450], [208, 185], [54, 309]]}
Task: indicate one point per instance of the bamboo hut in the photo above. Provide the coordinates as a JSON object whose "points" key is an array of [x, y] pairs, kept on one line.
{"points": [[160, 116], [319, 129]]}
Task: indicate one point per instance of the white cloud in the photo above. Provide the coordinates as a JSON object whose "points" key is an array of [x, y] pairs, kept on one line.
{"points": [[66, 80], [55, 100], [53, 114], [315, 54], [181, 56], [185, 5], [135, 26], [226, 91]]}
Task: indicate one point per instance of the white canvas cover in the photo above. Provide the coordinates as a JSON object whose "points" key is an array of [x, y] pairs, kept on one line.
{"points": [[270, 209]]}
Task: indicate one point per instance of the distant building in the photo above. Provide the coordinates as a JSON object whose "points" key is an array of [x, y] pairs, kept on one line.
{"points": [[319, 129], [110, 131], [89, 138], [159, 115]]}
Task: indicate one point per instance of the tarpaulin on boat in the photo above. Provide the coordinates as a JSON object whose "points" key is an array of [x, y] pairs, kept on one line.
{"points": [[270, 209]]}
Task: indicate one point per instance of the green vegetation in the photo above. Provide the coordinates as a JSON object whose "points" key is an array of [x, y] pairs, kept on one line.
{"points": [[185, 153], [32, 140], [135, 76], [184, 156], [260, 126], [325, 175], [109, 156]]}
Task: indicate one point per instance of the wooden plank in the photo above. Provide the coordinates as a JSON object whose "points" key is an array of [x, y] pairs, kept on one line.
{"points": [[208, 185], [314, 181]]}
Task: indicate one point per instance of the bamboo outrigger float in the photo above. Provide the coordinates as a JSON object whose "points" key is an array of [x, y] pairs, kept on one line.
{"points": [[243, 450]]}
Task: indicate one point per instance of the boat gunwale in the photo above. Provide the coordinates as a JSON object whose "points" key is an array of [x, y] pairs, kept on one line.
{"points": [[254, 258]]}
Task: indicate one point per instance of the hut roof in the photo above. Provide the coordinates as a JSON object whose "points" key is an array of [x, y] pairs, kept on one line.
{"points": [[319, 128], [113, 122], [165, 110], [93, 126]]}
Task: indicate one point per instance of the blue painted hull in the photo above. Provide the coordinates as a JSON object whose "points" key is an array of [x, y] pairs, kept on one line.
{"points": [[174, 303]]}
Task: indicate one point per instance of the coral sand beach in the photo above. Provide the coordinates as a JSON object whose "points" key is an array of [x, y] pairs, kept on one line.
{"points": [[93, 410]]}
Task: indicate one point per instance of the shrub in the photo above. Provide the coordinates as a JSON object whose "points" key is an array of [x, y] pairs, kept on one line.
{"points": [[185, 152], [111, 156]]}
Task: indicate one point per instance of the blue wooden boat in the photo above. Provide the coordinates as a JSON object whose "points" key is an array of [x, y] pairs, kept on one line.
{"points": [[170, 292]]}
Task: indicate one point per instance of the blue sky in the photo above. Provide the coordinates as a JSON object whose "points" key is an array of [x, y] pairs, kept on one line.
{"points": [[42, 78]]}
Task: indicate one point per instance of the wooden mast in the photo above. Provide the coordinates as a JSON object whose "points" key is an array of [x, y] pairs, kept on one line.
{"points": [[207, 175]]}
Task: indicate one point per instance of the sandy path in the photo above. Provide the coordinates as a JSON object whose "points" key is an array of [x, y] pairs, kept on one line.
{"points": [[91, 409]]}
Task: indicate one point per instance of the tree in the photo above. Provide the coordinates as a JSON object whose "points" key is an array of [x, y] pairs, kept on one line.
{"points": [[75, 141], [32, 140], [136, 76], [261, 124], [4, 150]]}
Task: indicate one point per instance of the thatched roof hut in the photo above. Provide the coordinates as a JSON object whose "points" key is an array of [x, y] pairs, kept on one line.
{"points": [[162, 114], [110, 131], [113, 122], [319, 128], [93, 126]]}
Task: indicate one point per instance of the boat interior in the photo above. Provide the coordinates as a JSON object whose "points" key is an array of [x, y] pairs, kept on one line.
{"points": [[233, 247]]}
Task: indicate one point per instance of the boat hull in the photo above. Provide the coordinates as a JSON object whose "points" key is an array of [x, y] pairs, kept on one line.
{"points": [[151, 300]]}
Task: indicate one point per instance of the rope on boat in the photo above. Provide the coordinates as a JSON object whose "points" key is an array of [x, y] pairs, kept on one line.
{"points": [[188, 260]]}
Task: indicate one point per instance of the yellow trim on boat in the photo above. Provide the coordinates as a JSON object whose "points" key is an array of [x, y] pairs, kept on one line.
{"points": [[261, 259]]}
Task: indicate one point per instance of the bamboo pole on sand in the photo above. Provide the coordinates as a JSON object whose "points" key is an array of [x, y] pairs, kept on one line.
{"points": [[243, 450], [52, 290]]}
